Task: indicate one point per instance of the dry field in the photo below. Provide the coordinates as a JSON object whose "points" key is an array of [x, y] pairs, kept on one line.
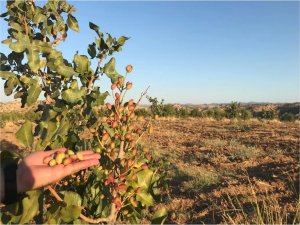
{"points": [[229, 171], [222, 171]]}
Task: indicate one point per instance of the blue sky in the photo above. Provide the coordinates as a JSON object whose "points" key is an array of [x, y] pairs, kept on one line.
{"points": [[198, 52]]}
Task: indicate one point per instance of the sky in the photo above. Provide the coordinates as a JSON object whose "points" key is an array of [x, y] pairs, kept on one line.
{"points": [[196, 52]]}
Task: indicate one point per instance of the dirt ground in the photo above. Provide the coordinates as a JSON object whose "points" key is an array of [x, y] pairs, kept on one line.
{"points": [[253, 161], [215, 169]]}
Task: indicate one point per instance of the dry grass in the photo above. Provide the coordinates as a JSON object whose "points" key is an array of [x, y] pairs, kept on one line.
{"points": [[242, 152], [265, 209]]}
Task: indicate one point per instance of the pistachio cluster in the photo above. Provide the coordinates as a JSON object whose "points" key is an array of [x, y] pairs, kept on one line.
{"points": [[64, 158]]}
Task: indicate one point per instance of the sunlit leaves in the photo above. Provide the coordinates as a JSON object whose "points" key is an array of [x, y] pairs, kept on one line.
{"points": [[6, 75], [33, 60], [18, 46], [25, 135], [9, 85], [110, 70], [71, 198], [73, 95], [33, 93], [144, 178], [30, 206], [145, 198], [82, 63], [72, 23], [159, 216], [48, 133], [65, 71], [122, 39], [96, 98], [70, 213]]}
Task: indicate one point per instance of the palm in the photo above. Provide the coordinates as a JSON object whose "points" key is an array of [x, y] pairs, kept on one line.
{"points": [[33, 173]]}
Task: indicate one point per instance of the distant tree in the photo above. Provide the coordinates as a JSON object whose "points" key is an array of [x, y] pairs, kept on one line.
{"points": [[233, 110], [195, 113], [268, 114], [156, 106], [246, 114]]}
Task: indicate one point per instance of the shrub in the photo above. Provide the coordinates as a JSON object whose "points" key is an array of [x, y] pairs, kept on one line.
{"points": [[195, 113], [268, 114], [287, 117], [246, 114], [156, 106], [182, 112], [233, 110], [143, 112]]}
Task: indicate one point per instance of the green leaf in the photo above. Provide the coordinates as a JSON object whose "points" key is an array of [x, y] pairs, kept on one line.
{"points": [[48, 133], [40, 46], [110, 71], [18, 46], [92, 50], [74, 84], [3, 59], [94, 26], [65, 71], [122, 40], [82, 63], [145, 198], [6, 75], [30, 206], [9, 85], [159, 216], [109, 40], [16, 26], [72, 95], [96, 98], [24, 134], [70, 213], [72, 23], [63, 128], [38, 16], [33, 93], [71, 198], [21, 44], [33, 60], [144, 178]]}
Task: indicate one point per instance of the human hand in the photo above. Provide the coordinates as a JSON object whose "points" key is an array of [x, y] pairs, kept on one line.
{"points": [[33, 173]]}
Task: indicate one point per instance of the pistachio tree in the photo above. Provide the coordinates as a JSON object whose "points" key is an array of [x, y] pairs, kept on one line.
{"points": [[125, 183]]}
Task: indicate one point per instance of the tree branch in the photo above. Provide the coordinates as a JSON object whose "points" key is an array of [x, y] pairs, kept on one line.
{"points": [[137, 104], [121, 150], [94, 77]]}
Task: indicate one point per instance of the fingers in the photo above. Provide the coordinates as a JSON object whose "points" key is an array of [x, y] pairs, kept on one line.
{"points": [[91, 156], [49, 153], [87, 152], [47, 159], [77, 166]]}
